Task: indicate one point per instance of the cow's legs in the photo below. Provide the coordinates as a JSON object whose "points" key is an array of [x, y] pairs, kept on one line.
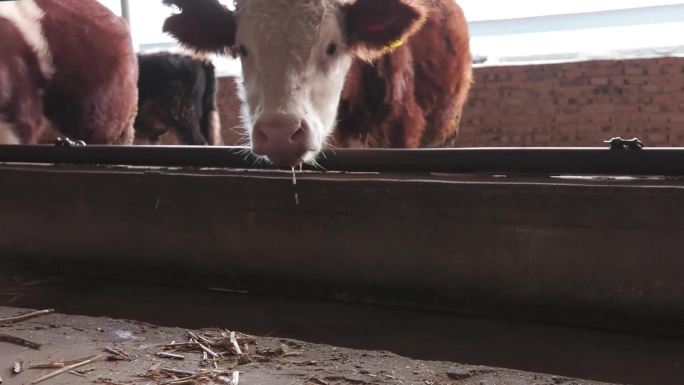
{"points": [[188, 126], [128, 134], [27, 115], [24, 109], [20, 105], [7, 134], [215, 138]]}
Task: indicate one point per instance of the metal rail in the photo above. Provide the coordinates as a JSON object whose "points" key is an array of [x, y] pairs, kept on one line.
{"points": [[651, 161]]}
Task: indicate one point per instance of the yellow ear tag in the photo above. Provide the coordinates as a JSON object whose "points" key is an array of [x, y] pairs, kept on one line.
{"points": [[395, 44]]}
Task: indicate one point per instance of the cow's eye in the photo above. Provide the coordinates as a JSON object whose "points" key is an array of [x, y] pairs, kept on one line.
{"points": [[242, 50], [331, 50]]}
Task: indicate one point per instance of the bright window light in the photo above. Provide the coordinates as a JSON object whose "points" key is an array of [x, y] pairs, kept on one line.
{"points": [[505, 31], [478, 10]]}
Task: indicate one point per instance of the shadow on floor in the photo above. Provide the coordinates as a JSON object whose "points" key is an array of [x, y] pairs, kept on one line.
{"points": [[563, 351]]}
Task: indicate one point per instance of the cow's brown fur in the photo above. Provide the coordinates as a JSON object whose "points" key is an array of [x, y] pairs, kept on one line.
{"points": [[204, 25], [373, 26], [413, 96], [20, 101], [93, 93]]}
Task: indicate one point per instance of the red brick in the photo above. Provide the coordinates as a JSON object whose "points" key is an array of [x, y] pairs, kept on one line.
{"points": [[656, 139], [665, 98], [636, 80], [603, 71], [598, 81], [644, 96], [598, 109], [635, 70], [651, 88], [677, 118], [573, 73]]}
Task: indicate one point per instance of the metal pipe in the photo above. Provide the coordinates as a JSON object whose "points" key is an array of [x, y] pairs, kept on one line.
{"points": [[652, 161], [126, 11]]}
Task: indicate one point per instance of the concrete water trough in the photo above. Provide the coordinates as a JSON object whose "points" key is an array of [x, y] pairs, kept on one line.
{"points": [[581, 251]]}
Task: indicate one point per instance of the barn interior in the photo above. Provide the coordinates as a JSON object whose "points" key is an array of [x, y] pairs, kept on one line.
{"points": [[541, 248]]}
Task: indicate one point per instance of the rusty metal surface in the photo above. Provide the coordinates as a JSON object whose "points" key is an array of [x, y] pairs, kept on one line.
{"points": [[593, 160], [601, 253]]}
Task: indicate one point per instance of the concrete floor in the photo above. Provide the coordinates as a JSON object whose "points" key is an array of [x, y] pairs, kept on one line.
{"points": [[272, 361], [578, 353]]}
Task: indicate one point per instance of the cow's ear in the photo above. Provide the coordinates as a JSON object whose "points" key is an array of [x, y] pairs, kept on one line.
{"points": [[203, 25], [374, 27]]}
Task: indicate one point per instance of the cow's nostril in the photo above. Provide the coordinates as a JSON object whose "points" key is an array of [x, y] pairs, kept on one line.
{"points": [[298, 136], [284, 140]]}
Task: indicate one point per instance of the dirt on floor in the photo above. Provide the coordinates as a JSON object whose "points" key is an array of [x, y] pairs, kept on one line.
{"points": [[130, 355]]}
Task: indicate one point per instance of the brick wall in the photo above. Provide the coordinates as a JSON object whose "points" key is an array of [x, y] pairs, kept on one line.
{"points": [[576, 104], [229, 112], [568, 104]]}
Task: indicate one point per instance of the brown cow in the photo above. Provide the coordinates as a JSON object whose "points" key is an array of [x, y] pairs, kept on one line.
{"points": [[67, 65], [412, 97], [406, 63]]}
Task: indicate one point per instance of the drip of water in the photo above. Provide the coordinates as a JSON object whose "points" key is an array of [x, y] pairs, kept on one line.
{"points": [[294, 183]]}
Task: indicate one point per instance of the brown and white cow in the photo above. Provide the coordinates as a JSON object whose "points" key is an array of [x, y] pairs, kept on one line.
{"points": [[382, 72], [67, 65]]}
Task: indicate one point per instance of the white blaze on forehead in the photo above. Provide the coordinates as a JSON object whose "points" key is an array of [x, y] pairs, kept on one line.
{"points": [[286, 70], [280, 36], [296, 22], [26, 16]]}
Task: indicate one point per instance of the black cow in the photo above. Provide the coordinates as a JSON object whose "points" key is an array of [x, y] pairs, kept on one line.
{"points": [[177, 102]]}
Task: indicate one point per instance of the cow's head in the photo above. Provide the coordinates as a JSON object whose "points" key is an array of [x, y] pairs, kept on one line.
{"points": [[295, 55]]}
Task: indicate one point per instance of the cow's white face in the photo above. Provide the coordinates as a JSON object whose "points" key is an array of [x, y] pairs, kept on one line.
{"points": [[295, 56], [294, 59]]}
